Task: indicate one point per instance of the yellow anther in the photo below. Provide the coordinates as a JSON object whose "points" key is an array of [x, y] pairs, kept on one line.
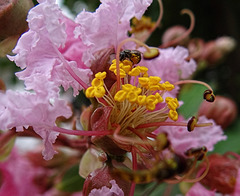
{"points": [[151, 106], [132, 97], [153, 87], [134, 72], [143, 69], [168, 86], [97, 82], [141, 99], [90, 92], [99, 91], [128, 87], [120, 96], [127, 62], [154, 80], [137, 90], [173, 115], [100, 75], [145, 74], [122, 73], [172, 103], [95, 91], [143, 81], [151, 99], [126, 68], [159, 97]]}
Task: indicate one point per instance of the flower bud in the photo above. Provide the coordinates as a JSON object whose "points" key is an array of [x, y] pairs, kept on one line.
{"points": [[174, 32], [223, 111], [224, 181], [216, 50]]}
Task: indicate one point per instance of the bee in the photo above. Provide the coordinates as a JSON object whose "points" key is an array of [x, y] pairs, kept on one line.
{"points": [[161, 171], [132, 55]]}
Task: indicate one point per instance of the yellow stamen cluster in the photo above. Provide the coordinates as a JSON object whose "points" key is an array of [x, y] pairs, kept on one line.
{"points": [[172, 104], [97, 89], [145, 93], [132, 94], [152, 83]]}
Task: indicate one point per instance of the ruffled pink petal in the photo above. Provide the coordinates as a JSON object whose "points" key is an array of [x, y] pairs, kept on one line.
{"points": [[171, 65], [114, 190], [39, 110], [38, 54], [108, 25], [199, 190], [182, 140]]}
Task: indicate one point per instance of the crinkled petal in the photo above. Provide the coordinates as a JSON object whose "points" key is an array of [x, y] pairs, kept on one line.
{"points": [[39, 110], [182, 140], [171, 65], [115, 190], [108, 25], [37, 51]]}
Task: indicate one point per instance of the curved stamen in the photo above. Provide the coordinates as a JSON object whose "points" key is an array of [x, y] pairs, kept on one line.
{"points": [[203, 174], [81, 132], [185, 34], [193, 82]]}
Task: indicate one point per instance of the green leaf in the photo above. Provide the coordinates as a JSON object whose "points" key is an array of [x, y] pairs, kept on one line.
{"points": [[6, 149], [192, 96], [72, 181], [232, 142]]}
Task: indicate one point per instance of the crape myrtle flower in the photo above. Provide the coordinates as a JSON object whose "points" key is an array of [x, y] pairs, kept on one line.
{"points": [[133, 89]]}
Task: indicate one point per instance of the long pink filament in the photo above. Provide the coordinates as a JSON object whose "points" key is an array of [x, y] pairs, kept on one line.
{"points": [[80, 132]]}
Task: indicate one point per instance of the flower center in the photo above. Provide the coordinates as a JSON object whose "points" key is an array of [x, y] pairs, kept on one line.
{"points": [[139, 99]]}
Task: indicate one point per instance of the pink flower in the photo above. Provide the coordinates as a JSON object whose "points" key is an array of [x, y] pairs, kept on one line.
{"points": [[108, 25], [17, 176], [114, 190], [182, 140]]}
